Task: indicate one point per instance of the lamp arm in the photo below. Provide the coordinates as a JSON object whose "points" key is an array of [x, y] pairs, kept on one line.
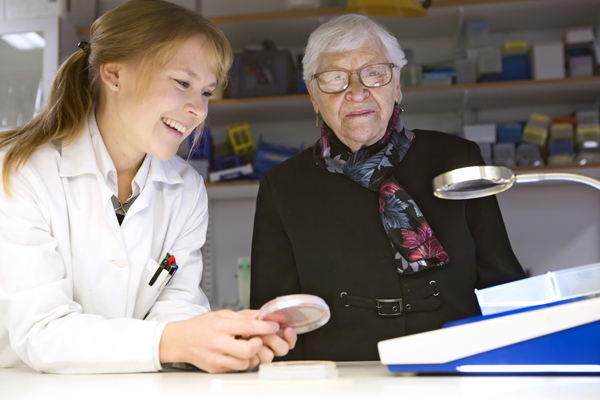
{"points": [[556, 176]]}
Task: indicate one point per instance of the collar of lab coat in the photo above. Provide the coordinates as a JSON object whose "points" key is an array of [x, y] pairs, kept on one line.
{"points": [[87, 154]]}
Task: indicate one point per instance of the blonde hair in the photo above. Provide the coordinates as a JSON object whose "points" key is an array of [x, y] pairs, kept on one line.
{"points": [[146, 31]]}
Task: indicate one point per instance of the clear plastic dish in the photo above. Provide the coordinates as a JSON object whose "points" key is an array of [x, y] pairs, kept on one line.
{"points": [[298, 370], [542, 289], [303, 312]]}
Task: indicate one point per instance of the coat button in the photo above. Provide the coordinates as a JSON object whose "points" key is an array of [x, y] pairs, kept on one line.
{"points": [[120, 262]]}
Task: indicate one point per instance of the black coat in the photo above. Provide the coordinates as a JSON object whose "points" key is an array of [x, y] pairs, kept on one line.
{"points": [[319, 233]]}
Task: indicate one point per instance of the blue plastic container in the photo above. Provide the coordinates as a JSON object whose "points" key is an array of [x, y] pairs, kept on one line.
{"points": [[204, 150], [509, 133], [229, 162], [268, 155], [561, 147], [516, 67]]}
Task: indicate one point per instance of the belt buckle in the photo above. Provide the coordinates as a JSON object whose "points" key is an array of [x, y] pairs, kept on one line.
{"points": [[395, 310]]}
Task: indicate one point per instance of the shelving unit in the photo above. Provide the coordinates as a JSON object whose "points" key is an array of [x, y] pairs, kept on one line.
{"points": [[426, 99], [444, 18], [238, 190]]}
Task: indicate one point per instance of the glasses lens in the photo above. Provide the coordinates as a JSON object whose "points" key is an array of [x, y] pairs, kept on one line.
{"points": [[333, 81], [376, 75]]}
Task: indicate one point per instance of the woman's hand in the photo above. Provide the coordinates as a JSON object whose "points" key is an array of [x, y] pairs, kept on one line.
{"points": [[223, 341], [278, 344]]}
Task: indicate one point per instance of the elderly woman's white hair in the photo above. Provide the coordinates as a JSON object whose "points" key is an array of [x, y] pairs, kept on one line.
{"points": [[348, 32]]}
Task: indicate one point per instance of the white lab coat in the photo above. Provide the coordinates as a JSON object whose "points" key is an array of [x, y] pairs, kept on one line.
{"points": [[70, 275]]}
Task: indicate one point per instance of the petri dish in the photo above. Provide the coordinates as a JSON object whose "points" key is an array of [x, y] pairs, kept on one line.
{"points": [[290, 370], [303, 312]]}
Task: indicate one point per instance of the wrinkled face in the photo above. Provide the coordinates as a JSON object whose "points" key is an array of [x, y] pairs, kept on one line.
{"points": [[359, 115], [175, 104]]}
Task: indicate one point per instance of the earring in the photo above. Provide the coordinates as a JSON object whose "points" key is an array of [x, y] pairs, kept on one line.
{"points": [[317, 115], [116, 85]]}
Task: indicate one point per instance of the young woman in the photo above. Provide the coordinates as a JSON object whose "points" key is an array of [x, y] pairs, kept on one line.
{"points": [[101, 226]]}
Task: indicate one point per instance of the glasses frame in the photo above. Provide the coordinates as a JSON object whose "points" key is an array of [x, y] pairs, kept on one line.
{"points": [[357, 73]]}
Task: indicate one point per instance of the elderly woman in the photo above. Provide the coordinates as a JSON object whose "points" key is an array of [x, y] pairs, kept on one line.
{"points": [[354, 221]]}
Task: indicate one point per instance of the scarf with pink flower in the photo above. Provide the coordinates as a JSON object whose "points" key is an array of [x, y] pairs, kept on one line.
{"points": [[413, 243]]}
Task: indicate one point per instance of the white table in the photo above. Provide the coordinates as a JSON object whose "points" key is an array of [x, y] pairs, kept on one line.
{"points": [[357, 380]]}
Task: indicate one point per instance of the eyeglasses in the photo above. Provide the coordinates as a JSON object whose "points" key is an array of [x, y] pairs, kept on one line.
{"points": [[371, 76]]}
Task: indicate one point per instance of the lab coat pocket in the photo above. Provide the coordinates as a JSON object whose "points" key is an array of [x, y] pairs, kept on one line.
{"points": [[147, 295]]}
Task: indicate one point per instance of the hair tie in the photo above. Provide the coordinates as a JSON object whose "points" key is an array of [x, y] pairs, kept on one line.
{"points": [[85, 46]]}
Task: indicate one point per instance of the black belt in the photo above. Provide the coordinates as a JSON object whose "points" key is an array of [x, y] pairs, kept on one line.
{"points": [[413, 302]]}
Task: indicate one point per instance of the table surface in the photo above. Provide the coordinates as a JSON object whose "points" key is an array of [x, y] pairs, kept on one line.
{"points": [[357, 380]]}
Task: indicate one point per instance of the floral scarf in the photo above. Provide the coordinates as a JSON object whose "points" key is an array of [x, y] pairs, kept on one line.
{"points": [[413, 243]]}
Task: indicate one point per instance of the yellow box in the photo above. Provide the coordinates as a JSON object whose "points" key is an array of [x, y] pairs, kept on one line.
{"points": [[514, 48], [241, 139]]}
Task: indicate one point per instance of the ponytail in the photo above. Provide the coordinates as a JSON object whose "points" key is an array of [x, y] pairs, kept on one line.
{"points": [[61, 119]]}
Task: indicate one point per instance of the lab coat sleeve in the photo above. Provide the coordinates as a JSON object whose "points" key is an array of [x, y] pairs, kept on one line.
{"points": [[273, 266], [182, 298], [496, 262], [46, 326]]}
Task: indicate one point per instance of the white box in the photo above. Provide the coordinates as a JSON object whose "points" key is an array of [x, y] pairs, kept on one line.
{"points": [[231, 173], [20, 9], [548, 61], [466, 71], [481, 133], [489, 61], [581, 66], [582, 34], [542, 289]]}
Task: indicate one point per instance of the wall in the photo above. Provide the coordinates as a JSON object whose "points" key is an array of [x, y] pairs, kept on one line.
{"points": [[77, 12]]}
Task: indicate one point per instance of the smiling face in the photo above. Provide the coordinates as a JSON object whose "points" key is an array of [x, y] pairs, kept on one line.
{"points": [[175, 103], [359, 115]]}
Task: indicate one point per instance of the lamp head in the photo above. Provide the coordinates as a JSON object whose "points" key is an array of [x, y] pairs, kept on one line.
{"points": [[472, 182]]}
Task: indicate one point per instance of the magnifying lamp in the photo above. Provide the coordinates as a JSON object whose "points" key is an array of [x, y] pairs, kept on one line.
{"points": [[475, 182]]}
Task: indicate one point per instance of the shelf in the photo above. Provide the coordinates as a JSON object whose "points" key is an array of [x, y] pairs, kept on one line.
{"points": [[454, 98], [240, 190], [444, 17], [315, 13]]}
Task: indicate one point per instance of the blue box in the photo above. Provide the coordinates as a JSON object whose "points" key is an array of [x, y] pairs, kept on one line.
{"points": [[510, 133], [439, 74], [229, 162], [561, 147], [268, 155], [204, 150], [516, 67], [490, 77]]}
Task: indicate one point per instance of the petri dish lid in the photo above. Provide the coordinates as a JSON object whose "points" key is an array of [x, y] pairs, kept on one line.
{"points": [[303, 312], [290, 370]]}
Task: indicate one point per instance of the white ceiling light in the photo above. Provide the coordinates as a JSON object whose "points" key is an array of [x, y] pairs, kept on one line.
{"points": [[24, 41]]}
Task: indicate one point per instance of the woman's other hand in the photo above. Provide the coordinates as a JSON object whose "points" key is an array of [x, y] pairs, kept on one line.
{"points": [[278, 344], [223, 341]]}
